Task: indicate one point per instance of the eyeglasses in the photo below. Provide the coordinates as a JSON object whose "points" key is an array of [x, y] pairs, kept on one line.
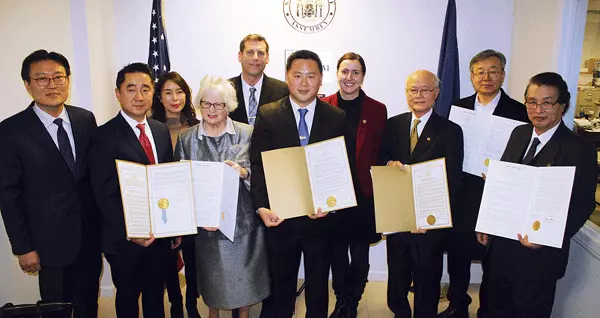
{"points": [[206, 105], [423, 91], [45, 81], [543, 105], [491, 74]]}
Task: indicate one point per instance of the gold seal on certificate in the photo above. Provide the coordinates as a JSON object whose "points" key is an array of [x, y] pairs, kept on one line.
{"points": [[163, 203], [536, 225], [431, 220], [486, 162], [331, 202]]}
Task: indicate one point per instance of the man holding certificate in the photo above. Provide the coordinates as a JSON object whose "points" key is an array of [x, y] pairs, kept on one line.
{"points": [[489, 101], [413, 137], [130, 136], [299, 120], [523, 275]]}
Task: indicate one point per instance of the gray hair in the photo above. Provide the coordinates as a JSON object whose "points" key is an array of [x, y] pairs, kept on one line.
{"points": [[222, 86], [436, 80], [487, 54]]}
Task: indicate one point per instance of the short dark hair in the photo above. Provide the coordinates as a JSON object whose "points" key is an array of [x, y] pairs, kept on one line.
{"points": [[188, 113], [304, 55], [43, 55], [137, 67], [253, 37], [352, 56], [553, 80], [487, 54]]}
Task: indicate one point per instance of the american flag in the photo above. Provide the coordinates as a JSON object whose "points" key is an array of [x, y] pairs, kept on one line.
{"points": [[158, 52]]}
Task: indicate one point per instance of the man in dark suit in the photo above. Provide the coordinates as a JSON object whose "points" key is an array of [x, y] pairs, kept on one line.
{"points": [[487, 76], [253, 88], [46, 198], [298, 120], [413, 137], [523, 275], [130, 136]]}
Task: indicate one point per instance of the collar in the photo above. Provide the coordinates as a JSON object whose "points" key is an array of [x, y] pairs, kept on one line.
{"points": [[258, 84], [132, 122], [47, 119], [229, 129], [423, 118], [545, 137], [491, 106], [311, 107]]}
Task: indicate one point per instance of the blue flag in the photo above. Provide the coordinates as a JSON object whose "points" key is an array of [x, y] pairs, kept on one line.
{"points": [[448, 64], [158, 52]]}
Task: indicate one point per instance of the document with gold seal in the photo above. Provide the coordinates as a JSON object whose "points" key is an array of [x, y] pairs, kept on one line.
{"points": [[157, 199], [300, 180], [416, 197], [526, 200]]}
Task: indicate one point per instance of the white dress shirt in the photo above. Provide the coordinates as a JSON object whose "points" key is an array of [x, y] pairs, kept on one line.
{"points": [[310, 115], [246, 91], [133, 123], [48, 122], [544, 138], [424, 119], [488, 109]]}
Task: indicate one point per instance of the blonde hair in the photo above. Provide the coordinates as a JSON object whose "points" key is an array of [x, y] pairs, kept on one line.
{"points": [[220, 85]]}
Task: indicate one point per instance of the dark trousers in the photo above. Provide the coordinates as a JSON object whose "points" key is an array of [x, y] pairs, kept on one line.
{"points": [[511, 296], [349, 274], [189, 259], [137, 270], [414, 258], [462, 247], [171, 275], [76, 283], [285, 245]]}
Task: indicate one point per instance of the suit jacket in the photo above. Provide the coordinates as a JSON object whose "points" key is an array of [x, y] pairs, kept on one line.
{"points": [[276, 128], [116, 140], [45, 207], [440, 138], [272, 90], [563, 149], [465, 217], [371, 127]]}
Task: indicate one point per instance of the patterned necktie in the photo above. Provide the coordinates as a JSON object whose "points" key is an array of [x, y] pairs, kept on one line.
{"points": [[64, 145], [414, 136], [252, 107], [302, 127], [531, 152], [145, 142]]}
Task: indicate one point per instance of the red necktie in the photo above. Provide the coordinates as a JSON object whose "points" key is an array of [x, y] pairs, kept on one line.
{"points": [[146, 143]]}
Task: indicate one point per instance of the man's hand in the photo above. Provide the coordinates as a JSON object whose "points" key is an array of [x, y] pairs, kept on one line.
{"points": [[142, 241], [211, 229], [30, 262], [525, 242], [318, 215], [396, 164], [418, 231], [482, 238], [269, 217], [242, 171]]}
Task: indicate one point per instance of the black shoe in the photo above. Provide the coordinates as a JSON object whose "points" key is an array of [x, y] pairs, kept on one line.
{"points": [[340, 309], [176, 311], [192, 310], [452, 312], [351, 312]]}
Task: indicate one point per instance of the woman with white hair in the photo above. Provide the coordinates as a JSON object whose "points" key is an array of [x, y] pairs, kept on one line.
{"points": [[230, 275]]}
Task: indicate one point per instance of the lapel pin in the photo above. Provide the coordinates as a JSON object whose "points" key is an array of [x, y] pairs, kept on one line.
{"points": [[364, 121], [428, 139]]}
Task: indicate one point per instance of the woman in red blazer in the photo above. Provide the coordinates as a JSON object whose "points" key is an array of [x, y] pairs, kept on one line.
{"points": [[354, 228]]}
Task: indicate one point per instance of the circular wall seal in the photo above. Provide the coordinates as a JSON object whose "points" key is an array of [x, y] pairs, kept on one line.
{"points": [[309, 16]]}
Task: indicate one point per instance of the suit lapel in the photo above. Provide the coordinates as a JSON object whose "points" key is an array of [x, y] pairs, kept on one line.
{"points": [[158, 142], [133, 141], [240, 98], [547, 156], [77, 128], [427, 137], [404, 138], [265, 91], [289, 127], [319, 123]]}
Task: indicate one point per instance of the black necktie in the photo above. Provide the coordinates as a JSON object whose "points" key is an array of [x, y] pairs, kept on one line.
{"points": [[64, 145], [531, 152]]}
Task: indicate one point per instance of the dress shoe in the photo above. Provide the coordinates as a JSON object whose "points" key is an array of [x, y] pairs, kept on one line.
{"points": [[340, 309], [453, 312], [192, 311]]}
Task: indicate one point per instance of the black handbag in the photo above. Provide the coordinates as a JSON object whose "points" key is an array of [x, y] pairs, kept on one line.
{"points": [[38, 310]]}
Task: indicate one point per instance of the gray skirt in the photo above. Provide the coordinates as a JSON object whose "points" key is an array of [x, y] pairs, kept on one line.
{"points": [[233, 275]]}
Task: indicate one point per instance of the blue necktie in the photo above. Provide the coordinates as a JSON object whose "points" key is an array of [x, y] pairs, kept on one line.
{"points": [[252, 107], [302, 127], [64, 145]]}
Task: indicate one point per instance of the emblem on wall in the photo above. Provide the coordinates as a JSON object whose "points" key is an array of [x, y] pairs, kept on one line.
{"points": [[309, 16]]}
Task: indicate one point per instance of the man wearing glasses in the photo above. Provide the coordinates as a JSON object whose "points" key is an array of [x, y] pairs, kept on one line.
{"points": [[487, 76], [521, 275], [46, 199], [417, 136]]}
